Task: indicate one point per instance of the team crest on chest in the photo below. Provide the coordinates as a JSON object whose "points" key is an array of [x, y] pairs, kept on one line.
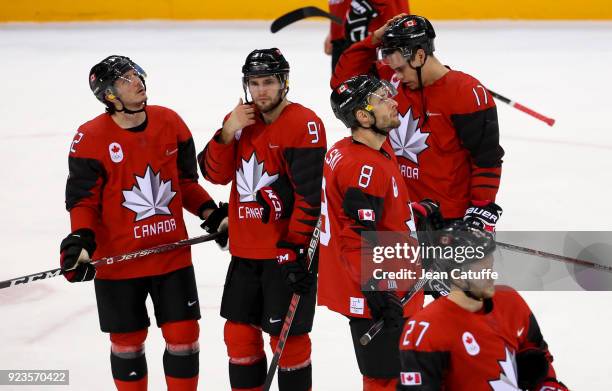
{"points": [[471, 346], [150, 196], [115, 151], [407, 140], [250, 177]]}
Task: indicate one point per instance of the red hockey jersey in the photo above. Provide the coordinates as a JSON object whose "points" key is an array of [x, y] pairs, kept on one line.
{"points": [[130, 187], [361, 193], [455, 157], [293, 147], [445, 347], [386, 9]]}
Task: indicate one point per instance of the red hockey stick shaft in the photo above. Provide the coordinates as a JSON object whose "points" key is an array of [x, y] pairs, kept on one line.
{"points": [[295, 300], [523, 108]]}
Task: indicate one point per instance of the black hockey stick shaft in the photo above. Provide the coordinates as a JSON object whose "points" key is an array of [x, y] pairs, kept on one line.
{"points": [[111, 260], [299, 14], [555, 257], [524, 109], [295, 300]]}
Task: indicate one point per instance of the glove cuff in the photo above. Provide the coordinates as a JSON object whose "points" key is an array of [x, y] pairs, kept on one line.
{"points": [[83, 237]]}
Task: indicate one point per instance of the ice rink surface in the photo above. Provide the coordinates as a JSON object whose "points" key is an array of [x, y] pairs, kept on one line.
{"points": [[553, 178]]}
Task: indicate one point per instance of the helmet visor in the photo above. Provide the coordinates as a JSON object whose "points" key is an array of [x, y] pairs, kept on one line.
{"points": [[384, 52], [385, 92]]}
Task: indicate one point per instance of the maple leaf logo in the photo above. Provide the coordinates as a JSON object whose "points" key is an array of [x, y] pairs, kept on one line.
{"points": [[251, 177], [151, 196], [407, 139], [508, 379]]}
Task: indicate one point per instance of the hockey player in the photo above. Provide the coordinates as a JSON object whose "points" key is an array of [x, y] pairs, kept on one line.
{"points": [[447, 143], [132, 171], [479, 337], [360, 18], [362, 194], [270, 149]]}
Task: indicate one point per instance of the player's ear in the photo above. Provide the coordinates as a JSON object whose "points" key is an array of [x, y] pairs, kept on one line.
{"points": [[363, 117]]}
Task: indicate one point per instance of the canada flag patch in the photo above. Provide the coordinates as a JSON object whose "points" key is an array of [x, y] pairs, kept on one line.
{"points": [[342, 88], [410, 378], [366, 215]]}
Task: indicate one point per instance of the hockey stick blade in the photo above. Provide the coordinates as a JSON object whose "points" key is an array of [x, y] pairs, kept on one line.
{"points": [[301, 13], [295, 300], [114, 259]]}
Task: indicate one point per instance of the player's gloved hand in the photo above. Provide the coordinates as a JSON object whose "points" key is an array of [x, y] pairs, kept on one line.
{"points": [[483, 215], [292, 261], [358, 19], [427, 215], [551, 384], [532, 367], [76, 251], [276, 200], [217, 221], [387, 306]]}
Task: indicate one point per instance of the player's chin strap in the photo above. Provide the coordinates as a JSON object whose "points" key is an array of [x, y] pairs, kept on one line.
{"points": [[283, 93], [373, 127], [421, 87], [128, 111]]}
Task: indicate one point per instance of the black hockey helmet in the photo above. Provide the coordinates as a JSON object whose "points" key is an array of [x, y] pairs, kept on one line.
{"points": [[459, 236], [353, 94], [265, 62], [407, 34], [103, 75]]}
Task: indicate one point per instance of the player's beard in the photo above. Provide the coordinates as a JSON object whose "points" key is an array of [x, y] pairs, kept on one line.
{"points": [[270, 105]]}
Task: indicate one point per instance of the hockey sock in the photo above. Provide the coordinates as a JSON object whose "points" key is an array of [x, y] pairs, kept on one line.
{"points": [[247, 360], [295, 379], [295, 370], [128, 361], [182, 355]]}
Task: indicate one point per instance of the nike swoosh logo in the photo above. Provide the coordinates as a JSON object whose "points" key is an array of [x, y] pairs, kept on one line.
{"points": [[275, 320], [272, 146], [191, 303], [520, 332], [168, 152]]}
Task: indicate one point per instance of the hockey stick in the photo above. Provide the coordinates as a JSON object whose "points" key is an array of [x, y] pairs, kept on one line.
{"points": [[524, 109], [301, 13], [440, 287], [555, 257], [375, 329], [114, 259], [295, 300]]}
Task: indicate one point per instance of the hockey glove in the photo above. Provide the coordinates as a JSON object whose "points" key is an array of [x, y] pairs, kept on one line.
{"points": [[427, 215], [76, 251], [217, 222], [387, 306], [276, 200], [358, 19], [551, 384], [292, 261], [483, 215]]}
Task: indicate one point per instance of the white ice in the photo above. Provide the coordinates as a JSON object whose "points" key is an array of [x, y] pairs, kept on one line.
{"points": [[554, 178]]}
